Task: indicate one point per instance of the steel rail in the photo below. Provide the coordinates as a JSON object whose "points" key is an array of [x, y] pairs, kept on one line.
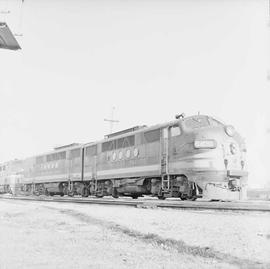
{"points": [[151, 203]]}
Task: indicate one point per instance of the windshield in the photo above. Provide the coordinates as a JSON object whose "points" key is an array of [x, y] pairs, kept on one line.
{"points": [[201, 121]]}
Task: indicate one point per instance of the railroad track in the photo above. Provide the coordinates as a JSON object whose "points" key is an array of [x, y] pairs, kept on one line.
{"points": [[263, 206]]}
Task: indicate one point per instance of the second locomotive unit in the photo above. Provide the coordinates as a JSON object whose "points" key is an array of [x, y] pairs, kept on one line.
{"points": [[196, 156]]}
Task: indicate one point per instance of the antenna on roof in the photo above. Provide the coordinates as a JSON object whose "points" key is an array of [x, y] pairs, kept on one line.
{"points": [[180, 116]]}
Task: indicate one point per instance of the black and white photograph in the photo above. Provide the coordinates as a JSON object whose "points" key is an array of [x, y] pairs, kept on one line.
{"points": [[134, 134]]}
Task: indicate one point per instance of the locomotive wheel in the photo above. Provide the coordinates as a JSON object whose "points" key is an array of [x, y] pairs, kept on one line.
{"points": [[160, 195], [134, 196], [115, 193], [71, 193], [184, 197], [85, 192]]}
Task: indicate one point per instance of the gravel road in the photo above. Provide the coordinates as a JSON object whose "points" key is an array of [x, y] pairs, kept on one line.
{"points": [[51, 235]]}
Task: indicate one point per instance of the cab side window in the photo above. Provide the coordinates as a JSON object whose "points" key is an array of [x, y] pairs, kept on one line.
{"points": [[175, 131], [152, 136]]}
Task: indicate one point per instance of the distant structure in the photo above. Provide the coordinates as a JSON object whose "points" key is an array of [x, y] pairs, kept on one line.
{"points": [[7, 39]]}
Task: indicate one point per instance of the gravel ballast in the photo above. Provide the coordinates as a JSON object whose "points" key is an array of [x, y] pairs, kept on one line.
{"points": [[36, 235]]}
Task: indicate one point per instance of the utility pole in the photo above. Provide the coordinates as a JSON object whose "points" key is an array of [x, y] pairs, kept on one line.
{"points": [[4, 9], [111, 120], [268, 71]]}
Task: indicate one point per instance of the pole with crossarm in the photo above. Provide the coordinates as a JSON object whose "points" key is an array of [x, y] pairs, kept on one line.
{"points": [[111, 120]]}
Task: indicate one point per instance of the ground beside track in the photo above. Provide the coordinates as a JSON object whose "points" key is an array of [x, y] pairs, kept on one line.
{"points": [[42, 235]]}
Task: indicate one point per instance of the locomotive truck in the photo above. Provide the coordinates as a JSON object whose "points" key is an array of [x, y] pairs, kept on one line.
{"points": [[188, 158]]}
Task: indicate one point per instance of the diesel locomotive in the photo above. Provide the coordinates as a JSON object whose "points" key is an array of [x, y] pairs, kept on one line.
{"points": [[188, 158]]}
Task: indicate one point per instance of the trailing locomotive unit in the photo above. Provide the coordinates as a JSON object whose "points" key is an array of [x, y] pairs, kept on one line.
{"points": [[190, 157]]}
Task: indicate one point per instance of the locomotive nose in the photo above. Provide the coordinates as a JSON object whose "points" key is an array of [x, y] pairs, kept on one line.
{"points": [[222, 145]]}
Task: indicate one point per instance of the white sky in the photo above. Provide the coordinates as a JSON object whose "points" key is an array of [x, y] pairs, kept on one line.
{"points": [[149, 59]]}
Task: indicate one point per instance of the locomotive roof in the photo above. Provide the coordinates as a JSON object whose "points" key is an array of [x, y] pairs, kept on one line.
{"points": [[57, 149], [66, 146], [139, 130], [144, 128], [132, 129]]}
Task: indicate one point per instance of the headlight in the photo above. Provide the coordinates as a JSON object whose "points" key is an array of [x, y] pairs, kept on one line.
{"points": [[205, 144], [229, 130], [233, 148]]}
